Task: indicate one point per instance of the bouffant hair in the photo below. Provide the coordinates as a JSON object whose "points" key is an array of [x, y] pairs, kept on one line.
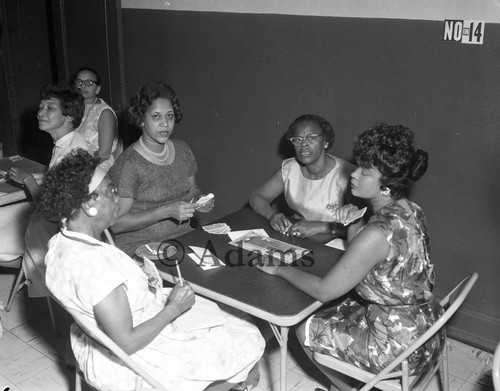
{"points": [[65, 186], [70, 99], [389, 148], [146, 96], [325, 126]]}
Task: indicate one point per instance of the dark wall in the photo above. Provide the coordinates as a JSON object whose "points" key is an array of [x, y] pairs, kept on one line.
{"points": [[26, 65], [243, 78]]}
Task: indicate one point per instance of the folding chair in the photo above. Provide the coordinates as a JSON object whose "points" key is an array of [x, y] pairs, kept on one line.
{"points": [[495, 370], [390, 379], [100, 337]]}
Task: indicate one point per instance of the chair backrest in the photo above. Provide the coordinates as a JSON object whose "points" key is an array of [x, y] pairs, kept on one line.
{"points": [[100, 337], [495, 370], [451, 303]]}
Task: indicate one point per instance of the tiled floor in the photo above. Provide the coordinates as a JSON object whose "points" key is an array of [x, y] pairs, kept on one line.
{"points": [[31, 357]]}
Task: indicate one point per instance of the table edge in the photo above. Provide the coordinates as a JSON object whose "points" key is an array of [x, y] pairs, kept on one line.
{"points": [[283, 321]]}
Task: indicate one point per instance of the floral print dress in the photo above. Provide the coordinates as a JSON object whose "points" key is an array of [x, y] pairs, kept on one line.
{"points": [[391, 307]]}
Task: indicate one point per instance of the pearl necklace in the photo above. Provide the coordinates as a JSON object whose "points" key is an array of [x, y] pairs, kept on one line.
{"points": [[156, 155]]}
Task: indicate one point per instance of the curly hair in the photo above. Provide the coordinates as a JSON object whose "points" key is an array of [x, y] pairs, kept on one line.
{"points": [[143, 98], [88, 69], [65, 186], [70, 99], [325, 126], [389, 148]]}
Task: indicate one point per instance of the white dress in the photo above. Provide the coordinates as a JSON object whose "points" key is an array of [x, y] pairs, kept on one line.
{"points": [[89, 130], [82, 271], [314, 199]]}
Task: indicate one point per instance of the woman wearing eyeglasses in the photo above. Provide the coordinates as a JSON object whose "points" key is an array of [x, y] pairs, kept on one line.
{"points": [[99, 123], [314, 182]]}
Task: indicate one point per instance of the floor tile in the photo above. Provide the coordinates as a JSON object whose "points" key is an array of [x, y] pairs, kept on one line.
{"points": [[53, 378], [9, 346], [25, 364]]}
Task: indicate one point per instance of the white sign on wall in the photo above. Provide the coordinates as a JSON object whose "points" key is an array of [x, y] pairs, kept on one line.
{"points": [[464, 31]]}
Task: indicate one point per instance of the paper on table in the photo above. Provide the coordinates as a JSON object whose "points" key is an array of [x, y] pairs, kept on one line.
{"points": [[337, 243], [204, 258], [235, 235]]}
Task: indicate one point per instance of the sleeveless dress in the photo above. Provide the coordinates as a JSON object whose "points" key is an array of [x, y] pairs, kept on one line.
{"points": [[82, 271], [89, 130], [391, 307], [312, 199], [152, 185]]}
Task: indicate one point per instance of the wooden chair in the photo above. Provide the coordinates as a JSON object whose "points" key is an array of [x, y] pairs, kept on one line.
{"points": [[390, 379], [495, 370], [100, 337]]}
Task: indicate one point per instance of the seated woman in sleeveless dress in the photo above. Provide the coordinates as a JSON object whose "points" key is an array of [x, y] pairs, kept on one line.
{"points": [[314, 182]]}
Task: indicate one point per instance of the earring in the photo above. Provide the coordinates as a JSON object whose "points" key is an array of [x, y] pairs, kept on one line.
{"points": [[92, 211], [386, 192], [141, 124]]}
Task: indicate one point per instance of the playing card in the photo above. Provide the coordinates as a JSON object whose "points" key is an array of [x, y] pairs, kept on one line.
{"points": [[355, 216], [203, 200]]}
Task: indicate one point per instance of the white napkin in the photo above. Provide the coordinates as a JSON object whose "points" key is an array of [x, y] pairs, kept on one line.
{"points": [[337, 243], [217, 228], [204, 258]]}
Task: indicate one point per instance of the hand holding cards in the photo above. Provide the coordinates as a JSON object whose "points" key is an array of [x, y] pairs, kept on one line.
{"points": [[202, 201], [354, 216]]}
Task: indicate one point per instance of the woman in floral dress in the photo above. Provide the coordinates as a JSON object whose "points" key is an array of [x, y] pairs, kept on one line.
{"points": [[384, 280]]}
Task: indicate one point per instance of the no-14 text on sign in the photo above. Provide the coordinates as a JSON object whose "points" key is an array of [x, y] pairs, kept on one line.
{"points": [[464, 31]]}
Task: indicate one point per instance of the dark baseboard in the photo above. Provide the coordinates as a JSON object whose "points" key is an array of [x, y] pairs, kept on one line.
{"points": [[475, 329]]}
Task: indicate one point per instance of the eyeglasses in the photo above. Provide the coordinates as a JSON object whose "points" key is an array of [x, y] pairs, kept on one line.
{"points": [[110, 191], [310, 138], [86, 83]]}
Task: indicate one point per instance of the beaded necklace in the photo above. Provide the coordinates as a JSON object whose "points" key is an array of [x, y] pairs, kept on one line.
{"points": [[155, 155]]}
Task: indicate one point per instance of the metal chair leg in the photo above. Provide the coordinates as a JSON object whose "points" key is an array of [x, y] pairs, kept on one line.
{"points": [[52, 316], [15, 289]]}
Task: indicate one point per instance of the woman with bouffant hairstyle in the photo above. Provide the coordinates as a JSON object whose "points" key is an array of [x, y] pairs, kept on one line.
{"points": [[385, 274]]}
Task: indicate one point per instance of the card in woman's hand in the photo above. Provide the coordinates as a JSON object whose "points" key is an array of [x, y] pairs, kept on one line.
{"points": [[355, 216]]}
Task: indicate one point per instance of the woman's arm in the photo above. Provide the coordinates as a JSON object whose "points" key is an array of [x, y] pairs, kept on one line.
{"points": [[114, 317], [178, 209], [365, 251], [127, 221], [107, 127], [25, 178], [261, 199]]}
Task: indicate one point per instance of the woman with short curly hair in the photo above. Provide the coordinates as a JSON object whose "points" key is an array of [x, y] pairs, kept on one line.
{"points": [[155, 176], [109, 289], [385, 274]]}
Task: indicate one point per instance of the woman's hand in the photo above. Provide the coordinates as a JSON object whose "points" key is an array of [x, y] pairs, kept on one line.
{"points": [[268, 267], [180, 210], [344, 213], [182, 297], [20, 176], [305, 229], [279, 222]]}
